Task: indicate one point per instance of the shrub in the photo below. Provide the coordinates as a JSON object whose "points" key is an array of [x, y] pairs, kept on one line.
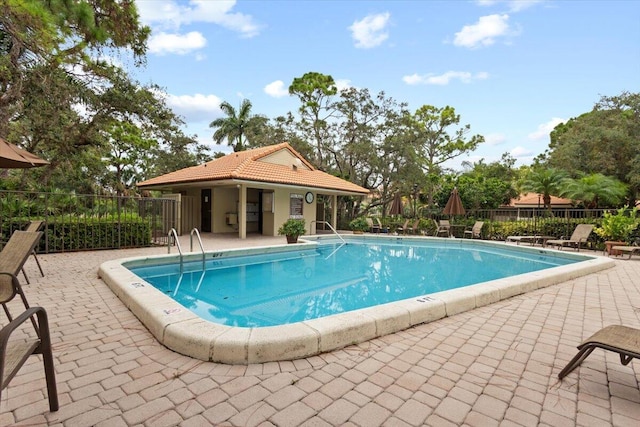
{"points": [[292, 227], [618, 226], [359, 224]]}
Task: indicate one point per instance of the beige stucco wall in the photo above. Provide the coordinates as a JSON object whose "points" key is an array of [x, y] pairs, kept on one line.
{"points": [[285, 158], [282, 198], [224, 200]]}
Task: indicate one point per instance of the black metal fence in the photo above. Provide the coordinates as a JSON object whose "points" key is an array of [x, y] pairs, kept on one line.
{"points": [[500, 223], [89, 222], [75, 222]]}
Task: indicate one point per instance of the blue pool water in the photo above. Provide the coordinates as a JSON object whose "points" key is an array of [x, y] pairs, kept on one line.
{"points": [[287, 287]]}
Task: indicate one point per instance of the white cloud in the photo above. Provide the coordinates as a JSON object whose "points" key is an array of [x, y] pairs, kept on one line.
{"points": [[163, 43], [196, 107], [444, 79], [520, 152], [494, 139], [276, 89], [484, 32], [170, 14], [370, 31], [545, 129], [513, 5], [342, 84]]}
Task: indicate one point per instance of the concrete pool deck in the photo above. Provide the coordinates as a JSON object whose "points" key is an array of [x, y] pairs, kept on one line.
{"points": [[494, 365]]}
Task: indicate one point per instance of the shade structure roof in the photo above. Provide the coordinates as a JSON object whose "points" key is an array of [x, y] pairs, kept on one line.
{"points": [[14, 157], [256, 166], [454, 204]]}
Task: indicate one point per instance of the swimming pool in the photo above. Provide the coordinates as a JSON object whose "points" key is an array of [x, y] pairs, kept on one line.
{"points": [[184, 331], [280, 288]]}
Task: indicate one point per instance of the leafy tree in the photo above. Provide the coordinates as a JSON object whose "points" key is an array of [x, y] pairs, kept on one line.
{"points": [[234, 127], [77, 139], [476, 192], [428, 131], [595, 190], [544, 181], [280, 129], [315, 91], [484, 185], [605, 140], [177, 152], [126, 157], [36, 36], [58, 99]]}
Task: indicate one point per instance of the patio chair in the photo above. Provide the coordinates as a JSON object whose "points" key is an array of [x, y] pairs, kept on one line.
{"points": [[579, 235], [17, 250], [15, 351], [617, 338], [444, 228], [373, 227], [35, 226], [403, 229], [475, 231], [414, 227], [630, 250]]}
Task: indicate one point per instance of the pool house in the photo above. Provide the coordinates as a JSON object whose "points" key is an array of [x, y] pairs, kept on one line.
{"points": [[253, 191]]}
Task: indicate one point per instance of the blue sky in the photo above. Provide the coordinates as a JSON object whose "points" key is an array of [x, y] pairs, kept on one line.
{"points": [[511, 69]]}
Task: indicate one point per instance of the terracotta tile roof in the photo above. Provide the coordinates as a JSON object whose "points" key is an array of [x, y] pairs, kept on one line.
{"points": [[531, 200], [246, 165]]}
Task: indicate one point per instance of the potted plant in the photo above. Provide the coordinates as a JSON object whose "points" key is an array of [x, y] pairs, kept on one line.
{"points": [[359, 225], [292, 228], [616, 228]]}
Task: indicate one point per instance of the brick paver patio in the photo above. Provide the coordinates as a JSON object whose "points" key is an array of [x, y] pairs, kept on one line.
{"points": [[496, 365]]}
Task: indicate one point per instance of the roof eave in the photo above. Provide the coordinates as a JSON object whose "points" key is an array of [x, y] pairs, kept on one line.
{"points": [[235, 181]]}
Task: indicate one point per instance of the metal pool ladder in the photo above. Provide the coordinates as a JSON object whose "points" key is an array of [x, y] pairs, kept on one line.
{"points": [[173, 233], [197, 233], [332, 229]]}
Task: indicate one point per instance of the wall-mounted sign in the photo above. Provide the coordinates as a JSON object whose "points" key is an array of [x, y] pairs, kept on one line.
{"points": [[295, 205]]}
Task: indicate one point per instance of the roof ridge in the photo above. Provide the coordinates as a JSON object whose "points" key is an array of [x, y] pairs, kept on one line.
{"points": [[251, 157]]}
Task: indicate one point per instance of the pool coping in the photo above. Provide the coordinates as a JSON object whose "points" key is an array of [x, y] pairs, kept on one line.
{"points": [[182, 331]]}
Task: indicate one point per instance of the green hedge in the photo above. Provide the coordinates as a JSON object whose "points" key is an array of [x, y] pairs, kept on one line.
{"points": [[88, 233]]}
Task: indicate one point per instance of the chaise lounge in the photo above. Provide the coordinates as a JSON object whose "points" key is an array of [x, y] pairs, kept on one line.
{"points": [[15, 350], [35, 226], [579, 236], [631, 250], [17, 250], [617, 338], [532, 240]]}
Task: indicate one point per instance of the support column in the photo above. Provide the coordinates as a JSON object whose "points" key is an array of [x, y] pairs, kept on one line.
{"points": [[334, 212], [242, 211]]}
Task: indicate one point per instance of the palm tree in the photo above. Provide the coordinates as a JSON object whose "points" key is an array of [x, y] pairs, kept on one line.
{"points": [[595, 189], [545, 181], [233, 127]]}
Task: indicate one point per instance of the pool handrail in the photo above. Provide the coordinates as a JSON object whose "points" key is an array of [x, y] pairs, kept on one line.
{"points": [[197, 233], [175, 237], [332, 229]]}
